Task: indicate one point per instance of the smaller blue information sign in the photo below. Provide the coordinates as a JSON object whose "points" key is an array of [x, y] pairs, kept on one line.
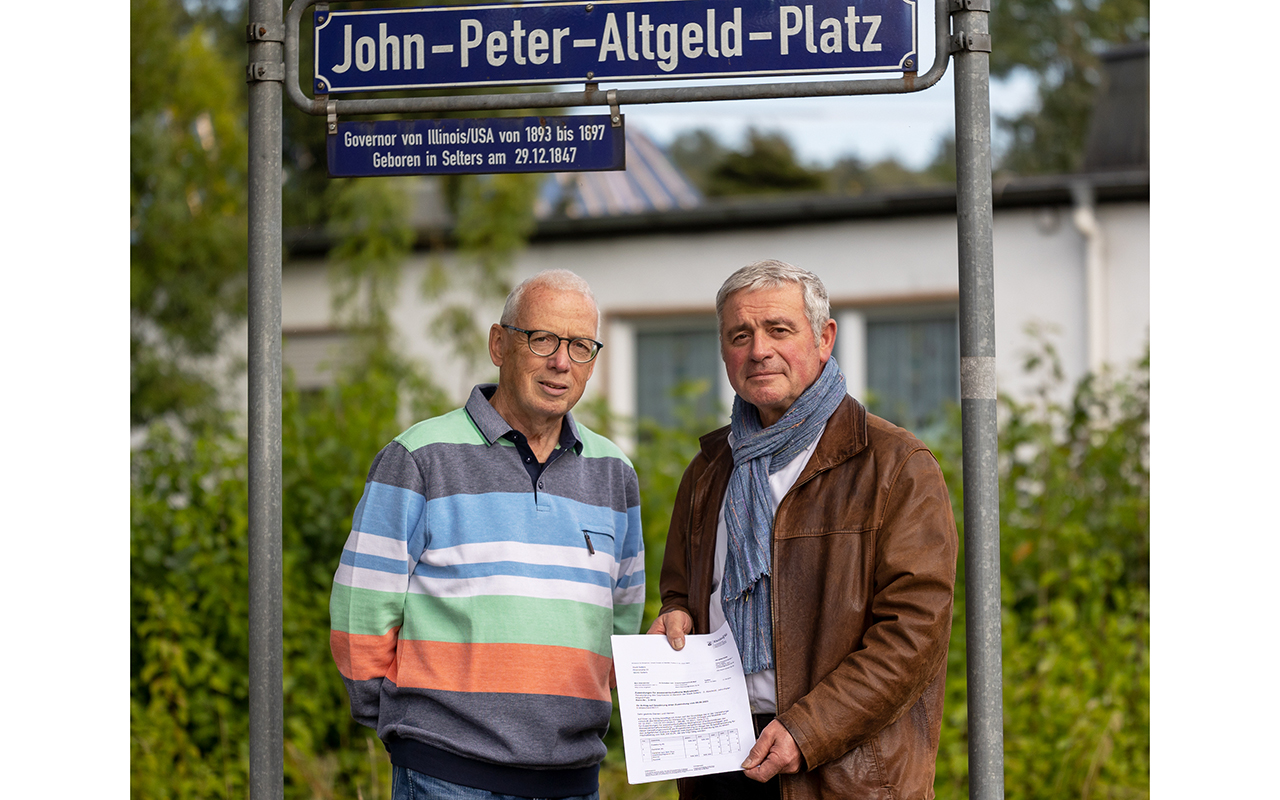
{"points": [[472, 146]]}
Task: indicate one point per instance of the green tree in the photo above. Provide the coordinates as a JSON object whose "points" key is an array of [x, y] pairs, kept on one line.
{"points": [[697, 152], [1058, 42], [767, 165], [494, 221], [850, 175], [942, 167], [369, 225], [187, 205]]}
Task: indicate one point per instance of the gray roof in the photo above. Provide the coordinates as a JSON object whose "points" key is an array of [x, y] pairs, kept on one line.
{"points": [[649, 183], [796, 209]]}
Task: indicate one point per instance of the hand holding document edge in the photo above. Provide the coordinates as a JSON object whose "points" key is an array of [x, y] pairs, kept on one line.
{"points": [[774, 753], [691, 715]]}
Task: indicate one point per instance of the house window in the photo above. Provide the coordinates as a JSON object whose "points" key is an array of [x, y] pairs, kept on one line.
{"points": [[913, 371], [674, 366]]}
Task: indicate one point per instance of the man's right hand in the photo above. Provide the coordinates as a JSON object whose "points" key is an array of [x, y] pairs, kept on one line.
{"points": [[674, 624]]}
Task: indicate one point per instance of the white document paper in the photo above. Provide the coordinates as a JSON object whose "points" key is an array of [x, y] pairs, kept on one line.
{"points": [[684, 712]]}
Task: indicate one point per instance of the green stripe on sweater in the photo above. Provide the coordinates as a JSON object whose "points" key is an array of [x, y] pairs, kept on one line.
{"points": [[483, 619], [455, 427]]}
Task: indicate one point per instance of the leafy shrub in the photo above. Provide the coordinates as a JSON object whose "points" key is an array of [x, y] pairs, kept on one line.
{"points": [[1075, 591], [189, 693]]}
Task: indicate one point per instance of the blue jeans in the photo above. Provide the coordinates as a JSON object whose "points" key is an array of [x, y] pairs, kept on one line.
{"points": [[406, 784]]}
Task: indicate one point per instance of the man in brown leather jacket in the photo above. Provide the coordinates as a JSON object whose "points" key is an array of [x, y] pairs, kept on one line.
{"points": [[824, 536]]}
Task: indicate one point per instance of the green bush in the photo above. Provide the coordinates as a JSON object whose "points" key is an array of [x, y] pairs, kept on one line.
{"points": [[189, 595], [1075, 549], [189, 606]]}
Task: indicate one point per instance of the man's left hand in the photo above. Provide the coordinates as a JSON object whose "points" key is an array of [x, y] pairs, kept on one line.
{"points": [[774, 752]]}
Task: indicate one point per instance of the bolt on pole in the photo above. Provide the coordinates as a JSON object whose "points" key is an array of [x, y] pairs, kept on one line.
{"points": [[266, 595], [972, 42]]}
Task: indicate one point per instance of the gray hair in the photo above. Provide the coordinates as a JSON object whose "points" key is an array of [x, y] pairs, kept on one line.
{"points": [[771, 274], [561, 280]]}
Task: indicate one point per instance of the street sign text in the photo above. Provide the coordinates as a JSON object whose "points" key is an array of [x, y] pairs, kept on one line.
{"points": [[533, 43], [470, 146]]}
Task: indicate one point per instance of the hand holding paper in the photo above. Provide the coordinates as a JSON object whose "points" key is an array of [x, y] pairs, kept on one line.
{"points": [[675, 625], [775, 752], [684, 712]]}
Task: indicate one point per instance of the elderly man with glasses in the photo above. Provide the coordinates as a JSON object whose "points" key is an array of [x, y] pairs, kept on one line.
{"points": [[495, 550]]}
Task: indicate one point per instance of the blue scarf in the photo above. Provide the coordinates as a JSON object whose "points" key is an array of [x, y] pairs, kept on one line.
{"points": [[759, 452]]}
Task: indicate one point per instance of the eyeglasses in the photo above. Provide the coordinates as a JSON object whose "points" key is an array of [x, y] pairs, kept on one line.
{"points": [[545, 343]]}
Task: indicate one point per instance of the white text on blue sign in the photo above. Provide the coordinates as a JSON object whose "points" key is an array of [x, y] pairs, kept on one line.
{"points": [[470, 146], [613, 40]]}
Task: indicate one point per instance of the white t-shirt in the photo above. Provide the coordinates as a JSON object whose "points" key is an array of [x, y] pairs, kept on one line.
{"points": [[761, 686]]}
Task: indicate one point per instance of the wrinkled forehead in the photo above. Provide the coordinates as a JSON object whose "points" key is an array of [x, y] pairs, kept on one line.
{"points": [[782, 302], [564, 312]]}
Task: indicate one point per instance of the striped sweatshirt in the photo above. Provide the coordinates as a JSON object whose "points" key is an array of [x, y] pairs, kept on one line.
{"points": [[472, 608]]}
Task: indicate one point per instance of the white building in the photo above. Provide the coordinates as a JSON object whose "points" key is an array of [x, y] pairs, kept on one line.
{"points": [[1072, 257]]}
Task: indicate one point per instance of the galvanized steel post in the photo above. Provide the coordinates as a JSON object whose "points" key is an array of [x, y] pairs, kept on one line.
{"points": [[266, 596], [971, 43]]}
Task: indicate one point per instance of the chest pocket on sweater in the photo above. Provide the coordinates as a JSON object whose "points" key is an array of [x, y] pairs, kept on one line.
{"points": [[601, 546]]}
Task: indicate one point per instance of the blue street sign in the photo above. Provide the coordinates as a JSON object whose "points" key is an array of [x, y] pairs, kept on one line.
{"points": [[577, 42], [471, 146]]}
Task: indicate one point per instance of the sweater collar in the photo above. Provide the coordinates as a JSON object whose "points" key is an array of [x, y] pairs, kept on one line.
{"points": [[493, 427]]}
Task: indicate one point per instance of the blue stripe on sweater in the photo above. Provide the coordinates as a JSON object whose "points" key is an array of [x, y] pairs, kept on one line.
{"points": [[634, 579], [514, 568], [632, 547], [388, 511], [504, 517], [376, 563]]}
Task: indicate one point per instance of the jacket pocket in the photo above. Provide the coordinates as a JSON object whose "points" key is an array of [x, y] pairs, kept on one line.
{"points": [[858, 773]]}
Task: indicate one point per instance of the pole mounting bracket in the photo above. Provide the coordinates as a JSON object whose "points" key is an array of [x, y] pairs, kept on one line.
{"points": [[964, 41], [331, 111], [615, 113], [261, 71], [264, 32], [956, 6]]}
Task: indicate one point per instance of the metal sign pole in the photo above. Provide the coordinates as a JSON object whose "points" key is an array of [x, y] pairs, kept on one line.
{"points": [[971, 43], [266, 596]]}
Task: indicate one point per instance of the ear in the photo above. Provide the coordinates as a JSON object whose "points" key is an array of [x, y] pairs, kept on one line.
{"points": [[497, 343], [827, 341]]}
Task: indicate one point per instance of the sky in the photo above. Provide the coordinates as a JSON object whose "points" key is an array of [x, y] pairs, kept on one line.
{"points": [[907, 127]]}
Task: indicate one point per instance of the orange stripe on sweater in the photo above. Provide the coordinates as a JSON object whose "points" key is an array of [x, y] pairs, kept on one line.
{"points": [[507, 668], [361, 657]]}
